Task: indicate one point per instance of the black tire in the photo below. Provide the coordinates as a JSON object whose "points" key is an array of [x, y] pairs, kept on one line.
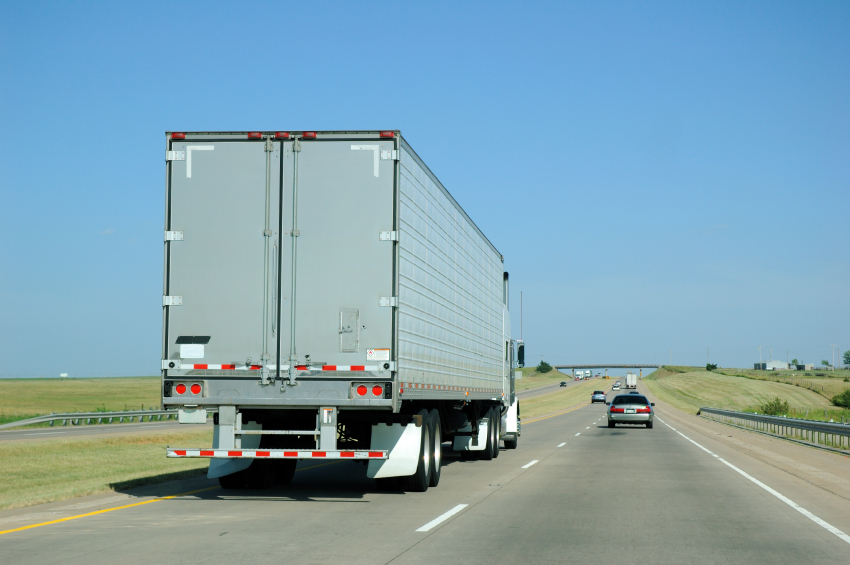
{"points": [[487, 453], [611, 424], [284, 471], [497, 430], [511, 443], [436, 448], [234, 481], [649, 424], [419, 481], [261, 474]]}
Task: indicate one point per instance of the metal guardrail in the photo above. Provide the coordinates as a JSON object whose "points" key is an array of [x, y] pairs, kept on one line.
{"points": [[86, 418], [829, 434]]}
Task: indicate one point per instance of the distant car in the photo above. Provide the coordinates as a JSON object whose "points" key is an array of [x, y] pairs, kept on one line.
{"points": [[578, 378], [597, 396], [630, 409], [563, 383], [634, 392], [615, 387], [617, 383]]}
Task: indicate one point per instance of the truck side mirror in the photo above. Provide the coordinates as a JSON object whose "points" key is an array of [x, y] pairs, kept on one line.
{"points": [[652, 404], [520, 355]]}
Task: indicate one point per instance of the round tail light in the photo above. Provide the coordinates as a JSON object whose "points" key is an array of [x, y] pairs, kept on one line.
{"points": [[180, 389], [361, 390], [377, 390], [196, 388]]}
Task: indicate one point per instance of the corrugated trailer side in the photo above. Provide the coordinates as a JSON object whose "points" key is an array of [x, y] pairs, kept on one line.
{"points": [[450, 291]]}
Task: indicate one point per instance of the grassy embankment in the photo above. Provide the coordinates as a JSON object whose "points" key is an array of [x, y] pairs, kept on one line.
{"points": [[48, 470], [689, 388], [27, 398], [561, 399], [825, 383]]}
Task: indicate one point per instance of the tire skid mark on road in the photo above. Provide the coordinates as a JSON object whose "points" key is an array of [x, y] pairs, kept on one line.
{"points": [[820, 522]]}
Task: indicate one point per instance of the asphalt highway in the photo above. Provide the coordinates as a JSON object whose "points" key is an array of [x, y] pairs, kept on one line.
{"points": [[574, 491]]}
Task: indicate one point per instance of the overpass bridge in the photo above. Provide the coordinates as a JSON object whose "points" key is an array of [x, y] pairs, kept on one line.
{"points": [[640, 366]]}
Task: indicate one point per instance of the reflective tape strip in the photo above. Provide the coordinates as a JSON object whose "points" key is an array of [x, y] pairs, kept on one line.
{"points": [[275, 454], [208, 366]]}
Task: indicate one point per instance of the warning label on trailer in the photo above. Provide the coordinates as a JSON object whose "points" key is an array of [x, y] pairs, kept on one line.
{"points": [[377, 354]]}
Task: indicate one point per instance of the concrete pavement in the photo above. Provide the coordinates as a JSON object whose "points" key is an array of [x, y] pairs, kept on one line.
{"points": [[574, 491]]}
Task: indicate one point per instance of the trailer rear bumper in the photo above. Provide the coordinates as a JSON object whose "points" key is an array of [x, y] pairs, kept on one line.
{"points": [[276, 454]]}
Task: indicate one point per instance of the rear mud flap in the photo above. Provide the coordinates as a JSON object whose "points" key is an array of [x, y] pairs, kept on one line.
{"points": [[403, 443], [465, 443], [223, 467]]}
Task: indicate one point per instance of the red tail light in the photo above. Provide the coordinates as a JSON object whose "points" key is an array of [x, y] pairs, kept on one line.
{"points": [[362, 390], [377, 390], [282, 135], [254, 135], [178, 135], [387, 134], [309, 135], [195, 388], [617, 410], [180, 389], [645, 410]]}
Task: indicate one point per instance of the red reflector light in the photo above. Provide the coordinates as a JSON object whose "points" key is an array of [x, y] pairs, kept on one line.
{"points": [[644, 410], [282, 134], [618, 410], [178, 136], [196, 388], [309, 135], [387, 134], [180, 389], [377, 390], [361, 390], [254, 135]]}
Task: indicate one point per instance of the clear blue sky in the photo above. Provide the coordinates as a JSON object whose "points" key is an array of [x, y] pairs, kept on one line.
{"points": [[659, 176]]}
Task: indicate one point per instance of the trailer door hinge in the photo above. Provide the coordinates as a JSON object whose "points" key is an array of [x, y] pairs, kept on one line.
{"points": [[388, 236], [174, 236], [389, 155], [390, 301], [172, 300], [175, 155]]}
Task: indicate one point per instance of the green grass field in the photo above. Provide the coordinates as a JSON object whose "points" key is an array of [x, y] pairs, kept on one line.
{"points": [[34, 472], [563, 398], [689, 388], [825, 383], [25, 398], [532, 379]]}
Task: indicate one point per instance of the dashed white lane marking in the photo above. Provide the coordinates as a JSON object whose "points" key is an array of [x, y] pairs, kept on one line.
{"points": [[562, 444], [822, 523], [529, 464], [578, 434], [442, 518], [587, 428]]}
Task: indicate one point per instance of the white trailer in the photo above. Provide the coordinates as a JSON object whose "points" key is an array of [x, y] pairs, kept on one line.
{"points": [[631, 380], [327, 296]]}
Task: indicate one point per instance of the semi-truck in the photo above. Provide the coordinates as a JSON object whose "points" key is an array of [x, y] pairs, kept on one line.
{"points": [[325, 297], [631, 380]]}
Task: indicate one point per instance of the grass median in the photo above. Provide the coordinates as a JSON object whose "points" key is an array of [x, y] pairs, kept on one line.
{"points": [[561, 399], [26, 398], [34, 472]]}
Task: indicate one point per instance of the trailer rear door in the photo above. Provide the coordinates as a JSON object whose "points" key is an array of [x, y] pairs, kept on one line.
{"points": [[220, 195]]}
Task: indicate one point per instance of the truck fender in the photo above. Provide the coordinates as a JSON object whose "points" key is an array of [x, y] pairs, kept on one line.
{"points": [[403, 444], [511, 418], [465, 443], [223, 467]]}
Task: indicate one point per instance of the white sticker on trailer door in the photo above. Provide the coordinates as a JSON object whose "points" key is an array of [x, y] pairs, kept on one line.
{"points": [[377, 354], [191, 351]]}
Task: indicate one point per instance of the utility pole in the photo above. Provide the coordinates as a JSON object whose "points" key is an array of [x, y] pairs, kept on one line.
{"points": [[708, 355], [520, 316], [671, 356], [759, 354], [833, 357]]}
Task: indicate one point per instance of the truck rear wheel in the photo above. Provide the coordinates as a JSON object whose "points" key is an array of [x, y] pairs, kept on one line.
{"points": [[233, 481], [284, 471], [487, 454], [511, 443], [497, 430], [419, 481], [436, 448], [261, 474]]}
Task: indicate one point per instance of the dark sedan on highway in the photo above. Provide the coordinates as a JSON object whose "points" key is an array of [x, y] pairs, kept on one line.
{"points": [[630, 409]]}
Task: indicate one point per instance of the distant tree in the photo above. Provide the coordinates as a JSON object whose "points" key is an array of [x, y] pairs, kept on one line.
{"points": [[544, 367], [842, 399], [824, 362], [847, 357], [710, 367], [775, 406], [794, 361]]}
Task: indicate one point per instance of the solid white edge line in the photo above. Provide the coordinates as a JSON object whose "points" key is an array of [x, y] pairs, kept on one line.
{"points": [[562, 444], [530, 464], [822, 523], [442, 518]]}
